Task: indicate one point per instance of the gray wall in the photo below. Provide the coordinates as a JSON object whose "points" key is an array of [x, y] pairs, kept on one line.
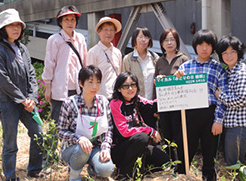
{"points": [[181, 12], [238, 19]]}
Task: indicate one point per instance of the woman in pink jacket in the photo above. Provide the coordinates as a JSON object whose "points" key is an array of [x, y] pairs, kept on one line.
{"points": [[62, 63], [131, 135]]}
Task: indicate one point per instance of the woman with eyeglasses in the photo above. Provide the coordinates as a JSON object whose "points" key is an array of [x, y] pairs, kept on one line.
{"points": [[167, 65], [231, 50], [141, 62], [131, 136]]}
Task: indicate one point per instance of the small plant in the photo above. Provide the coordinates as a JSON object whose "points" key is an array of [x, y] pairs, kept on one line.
{"points": [[237, 170], [137, 175], [50, 146], [232, 172], [170, 167]]}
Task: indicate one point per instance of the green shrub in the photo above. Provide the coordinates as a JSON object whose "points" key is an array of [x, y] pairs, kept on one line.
{"points": [[43, 106]]}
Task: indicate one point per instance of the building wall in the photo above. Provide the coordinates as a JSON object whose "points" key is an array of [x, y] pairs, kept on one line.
{"points": [[182, 13], [238, 19]]}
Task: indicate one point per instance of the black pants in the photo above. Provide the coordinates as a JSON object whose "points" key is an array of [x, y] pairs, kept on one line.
{"points": [[125, 154], [170, 124], [56, 106], [199, 126]]}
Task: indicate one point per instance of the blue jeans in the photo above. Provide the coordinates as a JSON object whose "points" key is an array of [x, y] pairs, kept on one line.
{"points": [[10, 114], [77, 158], [235, 145]]}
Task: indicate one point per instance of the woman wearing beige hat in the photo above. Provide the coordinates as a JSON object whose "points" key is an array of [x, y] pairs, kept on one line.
{"points": [[104, 55], [18, 95], [65, 55]]}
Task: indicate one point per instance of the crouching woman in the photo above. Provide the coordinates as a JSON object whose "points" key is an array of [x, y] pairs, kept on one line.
{"points": [[131, 134], [85, 127]]}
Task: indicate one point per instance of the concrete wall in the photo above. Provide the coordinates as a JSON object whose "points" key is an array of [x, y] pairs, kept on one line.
{"points": [[181, 12], [238, 19]]}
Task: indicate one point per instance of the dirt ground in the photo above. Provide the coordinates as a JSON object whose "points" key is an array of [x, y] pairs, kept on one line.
{"points": [[60, 172]]}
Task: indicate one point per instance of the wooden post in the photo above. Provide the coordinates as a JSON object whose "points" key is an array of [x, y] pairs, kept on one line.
{"points": [[186, 155]]}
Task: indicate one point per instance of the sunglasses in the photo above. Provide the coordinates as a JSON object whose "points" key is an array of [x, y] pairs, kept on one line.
{"points": [[127, 86]]}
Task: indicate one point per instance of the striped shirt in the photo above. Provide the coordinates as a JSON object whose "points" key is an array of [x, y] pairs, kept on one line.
{"points": [[68, 121], [235, 100], [216, 78]]}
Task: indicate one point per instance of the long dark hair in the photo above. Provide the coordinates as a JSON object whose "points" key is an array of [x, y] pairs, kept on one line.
{"points": [[120, 81]]}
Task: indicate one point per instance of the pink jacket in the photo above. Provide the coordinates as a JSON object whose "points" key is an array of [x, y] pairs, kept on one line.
{"points": [[57, 61]]}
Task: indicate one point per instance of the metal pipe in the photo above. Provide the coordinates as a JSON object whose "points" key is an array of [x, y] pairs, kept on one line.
{"points": [[204, 14]]}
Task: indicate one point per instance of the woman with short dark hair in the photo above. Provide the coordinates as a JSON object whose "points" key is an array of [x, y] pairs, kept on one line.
{"points": [[231, 50], [85, 128], [204, 124]]}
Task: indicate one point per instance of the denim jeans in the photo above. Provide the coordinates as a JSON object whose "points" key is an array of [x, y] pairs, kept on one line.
{"points": [[235, 145], [10, 114], [77, 158]]}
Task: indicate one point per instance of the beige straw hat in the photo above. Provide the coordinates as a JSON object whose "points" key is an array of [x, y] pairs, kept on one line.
{"points": [[112, 20]]}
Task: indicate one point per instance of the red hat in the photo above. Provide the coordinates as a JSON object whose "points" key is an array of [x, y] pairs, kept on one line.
{"points": [[69, 11]]}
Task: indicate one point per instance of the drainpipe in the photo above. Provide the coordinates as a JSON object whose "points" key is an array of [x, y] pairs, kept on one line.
{"points": [[204, 14]]}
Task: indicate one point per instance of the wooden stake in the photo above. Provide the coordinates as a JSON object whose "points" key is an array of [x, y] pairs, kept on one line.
{"points": [[185, 142]]}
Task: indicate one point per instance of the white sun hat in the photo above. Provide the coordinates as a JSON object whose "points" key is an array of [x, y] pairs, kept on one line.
{"points": [[112, 20], [9, 16]]}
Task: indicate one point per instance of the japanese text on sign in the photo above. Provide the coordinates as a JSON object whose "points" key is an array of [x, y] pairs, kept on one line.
{"points": [[188, 92]]}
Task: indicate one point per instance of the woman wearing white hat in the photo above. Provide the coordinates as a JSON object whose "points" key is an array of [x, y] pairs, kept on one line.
{"points": [[18, 95], [104, 55], [65, 55]]}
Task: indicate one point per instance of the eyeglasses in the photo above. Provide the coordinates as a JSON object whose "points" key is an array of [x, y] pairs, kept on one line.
{"points": [[169, 40], [143, 37], [127, 86], [229, 53]]}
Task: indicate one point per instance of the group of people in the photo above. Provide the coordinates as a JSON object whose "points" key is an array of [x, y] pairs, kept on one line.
{"points": [[106, 107]]}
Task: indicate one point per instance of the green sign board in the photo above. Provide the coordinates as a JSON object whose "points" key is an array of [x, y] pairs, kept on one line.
{"points": [[186, 79], [188, 92]]}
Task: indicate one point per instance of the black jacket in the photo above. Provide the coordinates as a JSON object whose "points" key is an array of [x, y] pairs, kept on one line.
{"points": [[17, 83]]}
